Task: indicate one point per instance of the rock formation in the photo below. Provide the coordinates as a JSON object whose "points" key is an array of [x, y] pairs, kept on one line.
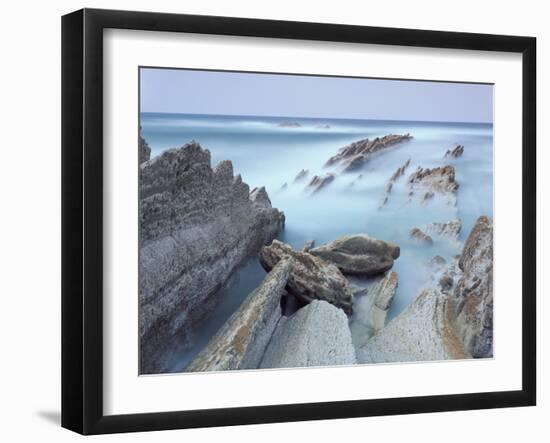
{"points": [[455, 152], [355, 155], [320, 182], [242, 340], [359, 254], [301, 175], [310, 277], [450, 230], [308, 246], [399, 172], [196, 226], [450, 319], [421, 236], [429, 182], [284, 186], [370, 310], [289, 125], [144, 150], [473, 294], [316, 335]]}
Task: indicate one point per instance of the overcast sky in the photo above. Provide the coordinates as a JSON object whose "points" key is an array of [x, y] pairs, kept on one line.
{"points": [[230, 93]]}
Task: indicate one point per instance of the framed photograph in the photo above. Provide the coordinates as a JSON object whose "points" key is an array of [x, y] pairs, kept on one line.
{"points": [[268, 221]]}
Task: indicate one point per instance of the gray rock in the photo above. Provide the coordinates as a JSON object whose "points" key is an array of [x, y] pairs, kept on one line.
{"points": [[429, 182], [311, 277], [308, 246], [399, 172], [144, 150], [197, 225], [289, 125], [355, 155], [370, 309], [301, 175], [455, 152], [242, 340], [421, 236], [359, 254], [473, 294], [316, 335], [450, 230], [320, 182]]}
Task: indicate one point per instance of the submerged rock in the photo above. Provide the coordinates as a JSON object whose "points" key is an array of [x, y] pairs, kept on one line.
{"points": [[359, 254], [421, 236], [450, 230], [473, 294], [284, 186], [301, 175], [455, 152], [320, 182], [316, 335], [428, 182], [197, 225], [310, 277], [289, 125], [355, 155], [399, 172], [242, 340], [370, 310]]}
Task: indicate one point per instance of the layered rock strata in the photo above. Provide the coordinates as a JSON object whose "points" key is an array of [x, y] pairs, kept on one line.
{"points": [[197, 225], [311, 277], [242, 340], [436, 181], [355, 155]]}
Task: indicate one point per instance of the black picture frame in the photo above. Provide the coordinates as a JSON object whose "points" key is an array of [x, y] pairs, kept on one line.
{"points": [[82, 220]]}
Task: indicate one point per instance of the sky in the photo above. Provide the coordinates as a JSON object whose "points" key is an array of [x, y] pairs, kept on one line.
{"points": [[238, 93]]}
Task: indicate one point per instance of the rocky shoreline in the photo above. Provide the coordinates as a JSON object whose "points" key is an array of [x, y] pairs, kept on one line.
{"points": [[199, 223]]}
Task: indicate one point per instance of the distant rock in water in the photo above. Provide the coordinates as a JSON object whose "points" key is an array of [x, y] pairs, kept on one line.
{"points": [[242, 340], [196, 226], [289, 125], [355, 155], [359, 254], [320, 182], [389, 185], [370, 310], [310, 277], [323, 126], [451, 320], [316, 335], [301, 175], [284, 186], [144, 150], [454, 153], [429, 182], [421, 236]]}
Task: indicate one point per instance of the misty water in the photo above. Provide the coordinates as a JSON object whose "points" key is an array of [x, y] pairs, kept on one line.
{"points": [[269, 155]]}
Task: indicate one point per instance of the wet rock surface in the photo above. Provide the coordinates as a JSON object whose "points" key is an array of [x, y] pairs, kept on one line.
{"points": [[301, 175], [197, 225], [318, 183], [316, 335], [359, 254], [355, 155], [242, 340], [455, 152], [311, 278], [421, 237], [426, 183]]}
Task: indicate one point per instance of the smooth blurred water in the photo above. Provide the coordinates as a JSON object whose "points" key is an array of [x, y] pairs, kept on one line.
{"points": [[266, 154]]}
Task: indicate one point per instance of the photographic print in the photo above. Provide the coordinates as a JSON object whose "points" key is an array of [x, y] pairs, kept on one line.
{"points": [[292, 221]]}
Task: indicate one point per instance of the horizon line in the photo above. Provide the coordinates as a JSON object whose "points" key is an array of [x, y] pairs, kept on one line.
{"points": [[317, 118]]}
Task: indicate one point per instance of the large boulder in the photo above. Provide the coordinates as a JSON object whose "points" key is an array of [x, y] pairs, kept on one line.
{"points": [[359, 254], [316, 335], [197, 224], [311, 277], [242, 340]]}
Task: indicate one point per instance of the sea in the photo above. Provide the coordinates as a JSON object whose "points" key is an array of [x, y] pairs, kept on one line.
{"points": [[270, 151]]}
